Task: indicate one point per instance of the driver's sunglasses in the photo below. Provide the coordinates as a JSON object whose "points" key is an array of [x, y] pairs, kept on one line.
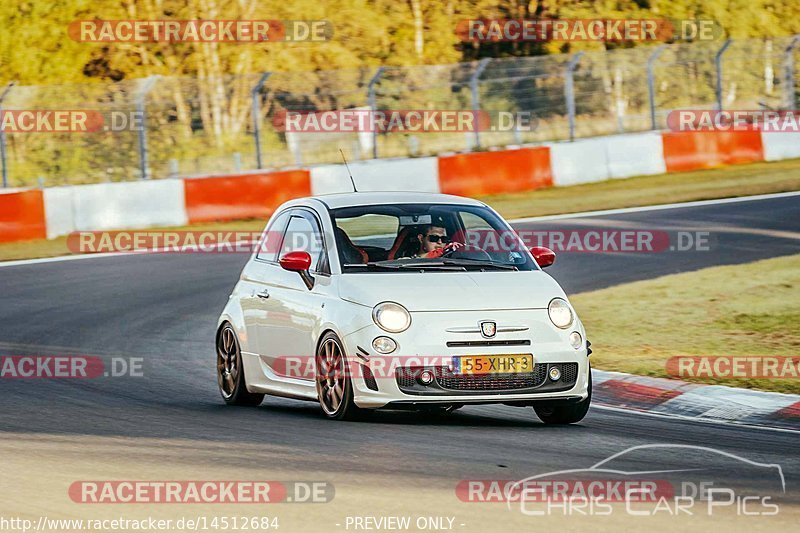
{"points": [[437, 238]]}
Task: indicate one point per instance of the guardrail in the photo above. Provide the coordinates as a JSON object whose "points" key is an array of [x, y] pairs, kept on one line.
{"points": [[51, 212]]}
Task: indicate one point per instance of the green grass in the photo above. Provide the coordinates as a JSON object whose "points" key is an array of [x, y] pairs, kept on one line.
{"points": [[751, 309], [741, 180], [726, 182]]}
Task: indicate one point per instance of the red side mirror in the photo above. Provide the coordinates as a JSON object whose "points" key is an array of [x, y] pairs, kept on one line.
{"points": [[544, 256], [296, 261]]}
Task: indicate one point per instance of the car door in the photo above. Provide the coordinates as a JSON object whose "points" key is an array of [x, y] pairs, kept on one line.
{"points": [[257, 279], [293, 310]]}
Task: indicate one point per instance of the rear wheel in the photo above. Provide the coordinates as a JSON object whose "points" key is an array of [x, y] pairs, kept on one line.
{"points": [[230, 371], [566, 413], [334, 388]]}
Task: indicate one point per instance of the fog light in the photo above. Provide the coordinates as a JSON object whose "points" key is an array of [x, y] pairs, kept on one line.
{"points": [[384, 345], [575, 340], [555, 373], [426, 377]]}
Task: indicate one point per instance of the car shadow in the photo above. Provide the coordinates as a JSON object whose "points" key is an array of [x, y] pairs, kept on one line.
{"points": [[466, 417]]}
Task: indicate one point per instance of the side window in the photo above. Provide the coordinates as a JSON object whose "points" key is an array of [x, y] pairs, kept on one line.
{"points": [[303, 234], [477, 228], [474, 222], [271, 240]]}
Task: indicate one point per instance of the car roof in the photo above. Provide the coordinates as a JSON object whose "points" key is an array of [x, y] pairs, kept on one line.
{"points": [[353, 199]]}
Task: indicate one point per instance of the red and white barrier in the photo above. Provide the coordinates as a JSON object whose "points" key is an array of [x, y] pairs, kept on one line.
{"points": [[59, 211], [502, 171], [416, 174], [33, 214], [709, 149], [106, 206], [582, 161], [252, 195], [22, 215], [635, 154], [779, 145]]}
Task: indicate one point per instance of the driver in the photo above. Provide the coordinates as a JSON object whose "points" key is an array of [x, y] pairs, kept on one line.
{"points": [[433, 242]]}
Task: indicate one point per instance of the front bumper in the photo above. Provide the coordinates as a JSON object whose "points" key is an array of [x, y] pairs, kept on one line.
{"points": [[425, 347]]}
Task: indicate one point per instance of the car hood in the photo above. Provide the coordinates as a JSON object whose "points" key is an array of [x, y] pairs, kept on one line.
{"points": [[452, 291]]}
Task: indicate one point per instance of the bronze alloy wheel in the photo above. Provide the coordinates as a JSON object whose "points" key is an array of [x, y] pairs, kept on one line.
{"points": [[230, 372], [334, 387]]}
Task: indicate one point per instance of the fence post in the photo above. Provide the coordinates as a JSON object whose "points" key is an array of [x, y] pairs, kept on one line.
{"points": [[255, 109], [651, 84], [371, 100], [476, 98], [144, 167], [789, 72], [569, 92], [3, 159], [718, 64]]}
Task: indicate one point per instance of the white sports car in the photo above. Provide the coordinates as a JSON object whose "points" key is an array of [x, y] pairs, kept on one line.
{"points": [[401, 300]]}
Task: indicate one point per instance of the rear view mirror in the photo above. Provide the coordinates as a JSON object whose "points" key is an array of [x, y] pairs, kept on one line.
{"points": [[300, 262], [296, 261], [544, 256]]}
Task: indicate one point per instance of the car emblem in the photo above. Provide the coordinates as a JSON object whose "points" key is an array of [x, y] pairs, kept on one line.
{"points": [[488, 329]]}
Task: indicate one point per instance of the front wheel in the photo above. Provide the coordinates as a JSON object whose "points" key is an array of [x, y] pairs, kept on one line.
{"points": [[567, 413], [230, 371], [334, 388]]}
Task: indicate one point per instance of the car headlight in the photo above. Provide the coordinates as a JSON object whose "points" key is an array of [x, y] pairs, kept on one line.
{"points": [[391, 317], [560, 313]]}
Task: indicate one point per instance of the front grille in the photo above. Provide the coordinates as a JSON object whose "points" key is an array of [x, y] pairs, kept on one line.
{"points": [[466, 344], [406, 377], [569, 372], [447, 381], [451, 381]]}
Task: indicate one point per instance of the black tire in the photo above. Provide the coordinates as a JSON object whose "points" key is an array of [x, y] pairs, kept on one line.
{"points": [[230, 371], [334, 387], [567, 413]]}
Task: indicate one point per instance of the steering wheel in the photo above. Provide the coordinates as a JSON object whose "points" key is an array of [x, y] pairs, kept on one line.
{"points": [[468, 252]]}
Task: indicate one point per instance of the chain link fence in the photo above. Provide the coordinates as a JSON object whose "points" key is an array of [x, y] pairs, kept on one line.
{"points": [[188, 126]]}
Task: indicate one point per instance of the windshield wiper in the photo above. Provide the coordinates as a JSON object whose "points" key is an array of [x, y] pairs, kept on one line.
{"points": [[478, 263], [372, 264], [416, 265]]}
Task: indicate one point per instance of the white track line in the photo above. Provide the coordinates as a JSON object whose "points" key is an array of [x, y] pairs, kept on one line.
{"points": [[700, 203], [659, 207], [75, 257]]}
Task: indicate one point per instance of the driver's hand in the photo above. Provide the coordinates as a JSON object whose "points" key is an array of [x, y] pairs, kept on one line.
{"points": [[452, 247], [435, 253]]}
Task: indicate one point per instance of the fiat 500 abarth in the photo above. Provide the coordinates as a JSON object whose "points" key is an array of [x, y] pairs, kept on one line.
{"points": [[401, 300]]}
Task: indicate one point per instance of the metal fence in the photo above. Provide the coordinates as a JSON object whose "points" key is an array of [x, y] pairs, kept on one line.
{"points": [[212, 125]]}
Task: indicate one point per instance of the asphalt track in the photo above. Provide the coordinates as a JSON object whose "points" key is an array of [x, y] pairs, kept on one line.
{"points": [[163, 308]]}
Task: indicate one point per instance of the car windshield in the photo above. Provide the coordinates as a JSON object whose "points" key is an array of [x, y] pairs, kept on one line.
{"points": [[426, 237]]}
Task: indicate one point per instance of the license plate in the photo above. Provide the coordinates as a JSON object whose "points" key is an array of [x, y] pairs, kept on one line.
{"points": [[492, 364]]}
